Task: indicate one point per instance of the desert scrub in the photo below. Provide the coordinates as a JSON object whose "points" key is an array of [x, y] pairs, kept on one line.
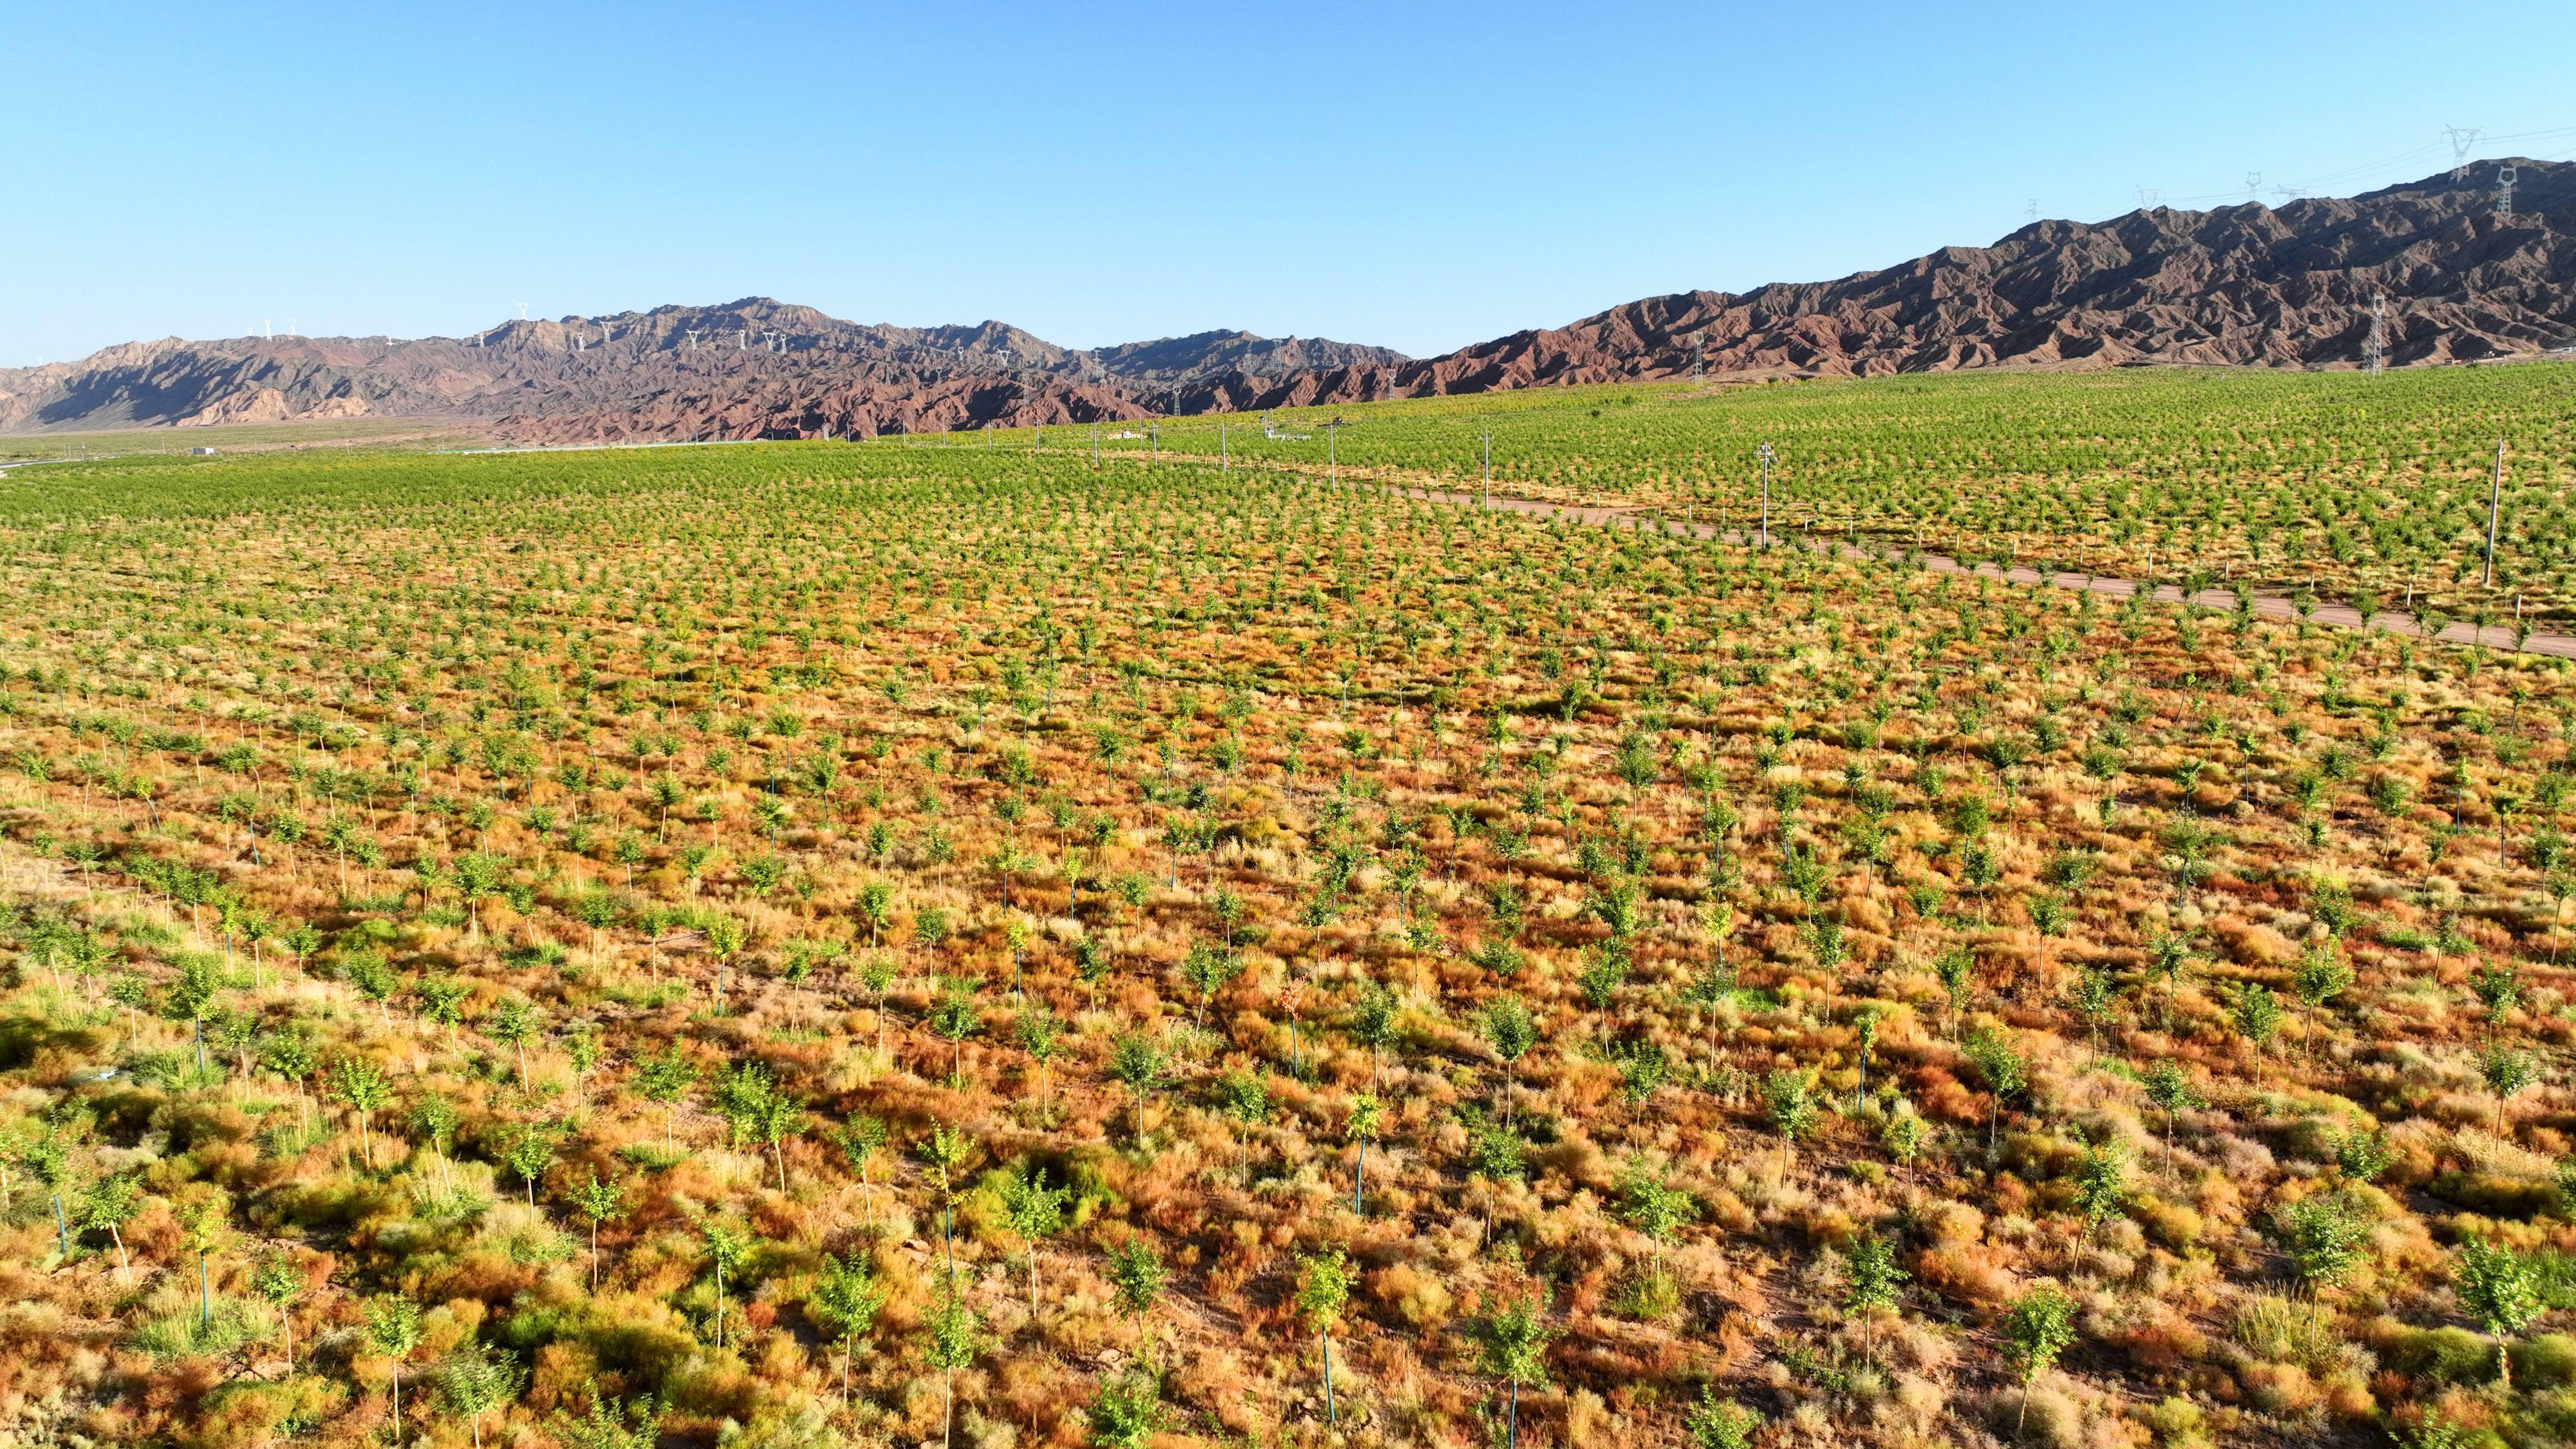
{"points": [[994, 886]]}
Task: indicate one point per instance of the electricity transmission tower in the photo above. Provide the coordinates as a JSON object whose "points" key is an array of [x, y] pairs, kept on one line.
{"points": [[2461, 139], [2504, 191], [2375, 351]]}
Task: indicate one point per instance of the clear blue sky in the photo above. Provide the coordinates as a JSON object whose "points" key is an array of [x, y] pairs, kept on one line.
{"points": [[1421, 176]]}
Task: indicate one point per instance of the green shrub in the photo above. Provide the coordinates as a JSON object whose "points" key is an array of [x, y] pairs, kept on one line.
{"points": [[2178, 1424], [2288, 1330], [2495, 1197], [249, 1412], [190, 1331], [1652, 1296], [2448, 1355], [2547, 1361]]}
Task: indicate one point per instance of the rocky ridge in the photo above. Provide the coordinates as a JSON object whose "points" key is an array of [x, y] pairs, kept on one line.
{"points": [[751, 368], [2245, 285]]}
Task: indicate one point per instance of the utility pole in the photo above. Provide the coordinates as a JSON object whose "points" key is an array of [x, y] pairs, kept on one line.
{"points": [[1764, 453], [2495, 502], [1333, 450]]}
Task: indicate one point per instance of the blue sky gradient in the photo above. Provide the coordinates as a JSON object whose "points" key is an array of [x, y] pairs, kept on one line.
{"points": [[1418, 176]]}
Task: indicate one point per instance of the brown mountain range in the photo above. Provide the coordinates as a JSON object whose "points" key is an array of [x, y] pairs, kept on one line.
{"points": [[2248, 285], [752, 368], [2288, 286]]}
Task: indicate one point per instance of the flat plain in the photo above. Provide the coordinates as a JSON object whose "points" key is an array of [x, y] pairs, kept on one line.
{"points": [[1005, 939]]}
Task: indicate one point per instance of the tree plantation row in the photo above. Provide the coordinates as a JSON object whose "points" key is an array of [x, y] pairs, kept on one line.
{"points": [[875, 945], [2344, 486]]}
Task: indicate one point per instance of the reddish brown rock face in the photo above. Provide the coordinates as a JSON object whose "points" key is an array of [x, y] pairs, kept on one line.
{"points": [[751, 369], [2244, 285]]}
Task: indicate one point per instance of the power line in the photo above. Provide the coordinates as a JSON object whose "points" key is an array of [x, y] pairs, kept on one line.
{"points": [[2454, 141]]}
